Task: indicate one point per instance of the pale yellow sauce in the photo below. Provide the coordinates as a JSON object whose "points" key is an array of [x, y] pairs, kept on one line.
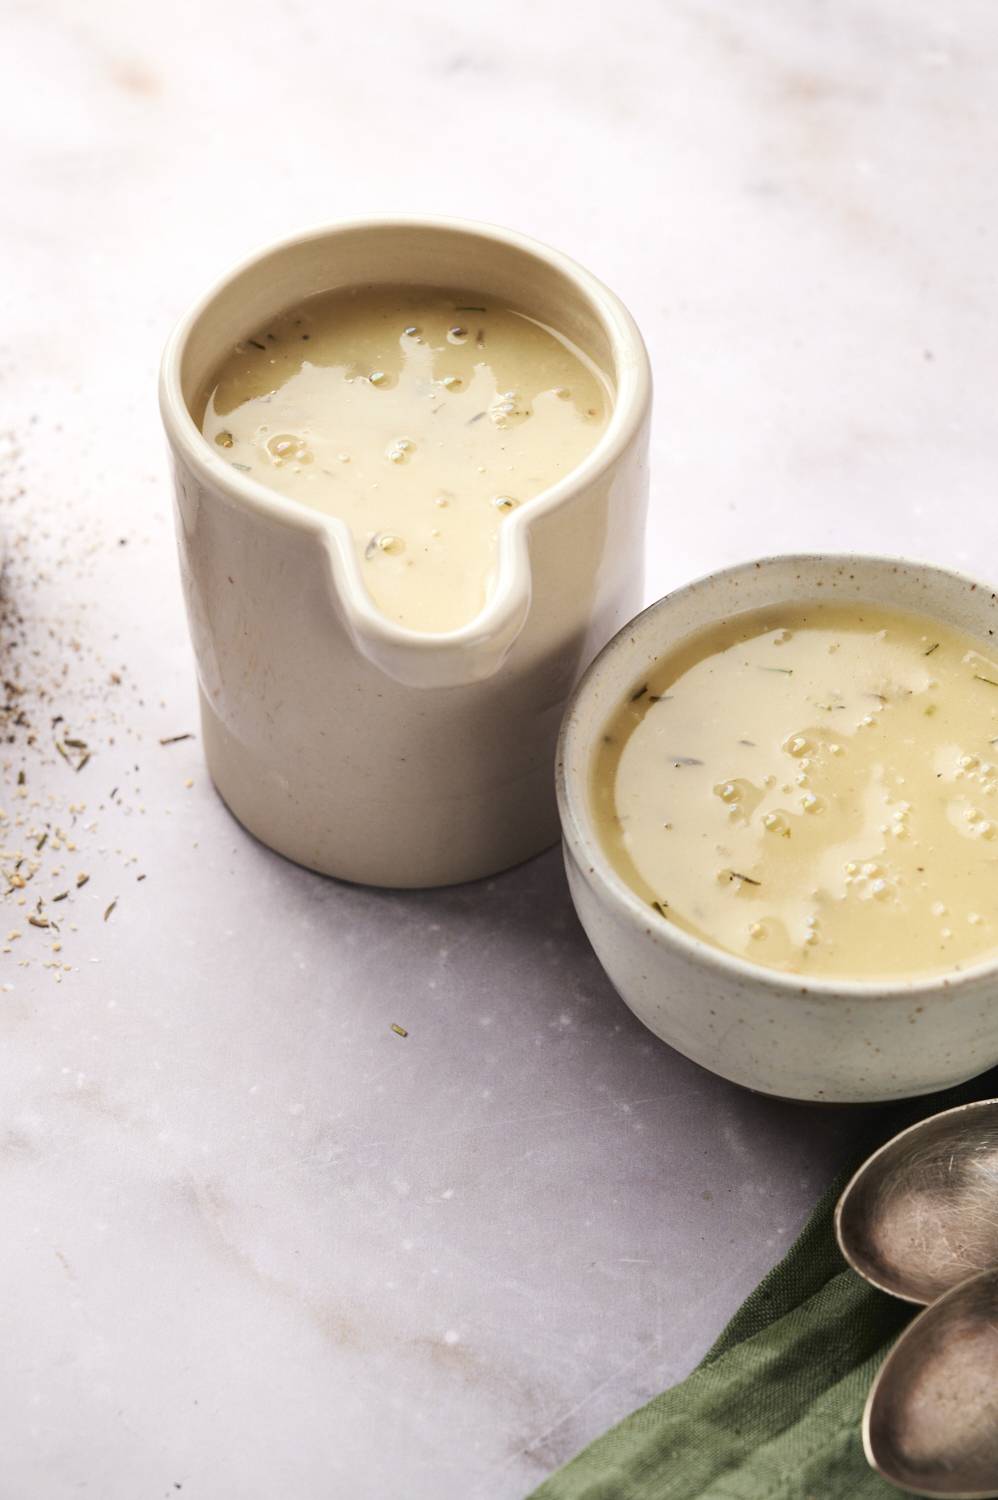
{"points": [[423, 418], [814, 789]]}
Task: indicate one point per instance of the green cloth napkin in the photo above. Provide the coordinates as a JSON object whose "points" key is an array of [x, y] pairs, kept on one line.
{"points": [[773, 1411]]}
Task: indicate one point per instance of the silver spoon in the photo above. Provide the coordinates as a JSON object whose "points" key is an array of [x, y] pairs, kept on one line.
{"points": [[917, 1220], [921, 1214], [931, 1419]]}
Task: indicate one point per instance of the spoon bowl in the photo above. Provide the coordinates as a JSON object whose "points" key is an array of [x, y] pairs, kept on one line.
{"points": [[921, 1214], [931, 1419]]}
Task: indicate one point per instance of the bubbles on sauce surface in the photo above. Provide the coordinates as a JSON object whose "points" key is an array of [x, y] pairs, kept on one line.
{"points": [[865, 862], [429, 415], [508, 409], [400, 450], [287, 447]]}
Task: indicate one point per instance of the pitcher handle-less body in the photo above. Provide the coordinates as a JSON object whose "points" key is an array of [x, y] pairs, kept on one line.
{"points": [[350, 743]]}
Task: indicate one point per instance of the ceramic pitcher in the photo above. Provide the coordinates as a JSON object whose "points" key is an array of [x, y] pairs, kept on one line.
{"points": [[345, 741]]}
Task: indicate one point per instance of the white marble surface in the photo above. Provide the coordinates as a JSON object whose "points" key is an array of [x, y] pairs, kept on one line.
{"points": [[253, 1243]]}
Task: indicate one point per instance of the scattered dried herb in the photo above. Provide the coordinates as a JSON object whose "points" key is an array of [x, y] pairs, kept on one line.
{"points": [[108, 910], [81, 880], [737, 875], [256, 344], [931, 649], [639, 694], [989, 680], [52, 676], [476, 418], [786, 671], [175, 739], [399, 1030], [660, 907], [64, 746]]}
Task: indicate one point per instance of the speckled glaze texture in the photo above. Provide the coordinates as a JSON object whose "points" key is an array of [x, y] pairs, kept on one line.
{"points": [[832, 1041], [349, 743]]}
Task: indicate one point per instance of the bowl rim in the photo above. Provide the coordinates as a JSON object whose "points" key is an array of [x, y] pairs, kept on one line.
{"points": [[583, 845], [630, 395]]}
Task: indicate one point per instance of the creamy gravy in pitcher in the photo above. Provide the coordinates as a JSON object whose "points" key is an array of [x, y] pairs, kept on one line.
{"points": [[422, 418]]}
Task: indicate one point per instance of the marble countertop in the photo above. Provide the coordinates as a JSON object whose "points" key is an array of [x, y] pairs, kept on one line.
{"points": [[255, 1243]]}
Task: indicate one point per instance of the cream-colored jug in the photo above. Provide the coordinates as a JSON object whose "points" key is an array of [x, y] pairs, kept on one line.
{"points": [[347, 742]]}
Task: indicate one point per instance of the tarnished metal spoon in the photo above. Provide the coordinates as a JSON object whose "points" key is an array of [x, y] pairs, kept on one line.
{"points": [[921, 1214], [931, 1420]]}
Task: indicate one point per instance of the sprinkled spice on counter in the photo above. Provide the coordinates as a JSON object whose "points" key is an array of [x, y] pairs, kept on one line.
{"points": [[70, 721]]}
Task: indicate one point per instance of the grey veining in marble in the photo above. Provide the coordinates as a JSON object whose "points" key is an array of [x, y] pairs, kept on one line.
{"points": [[253, 1242]]}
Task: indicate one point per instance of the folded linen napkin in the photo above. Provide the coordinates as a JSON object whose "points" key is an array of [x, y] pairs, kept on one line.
{"points": [[773, 1411]]}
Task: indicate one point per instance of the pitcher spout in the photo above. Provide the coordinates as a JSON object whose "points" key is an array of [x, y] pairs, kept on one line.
{"points": [[433, 659]]}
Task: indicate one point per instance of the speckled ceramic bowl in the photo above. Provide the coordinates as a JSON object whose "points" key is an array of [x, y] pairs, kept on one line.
{"points": [[829, 1040]]}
